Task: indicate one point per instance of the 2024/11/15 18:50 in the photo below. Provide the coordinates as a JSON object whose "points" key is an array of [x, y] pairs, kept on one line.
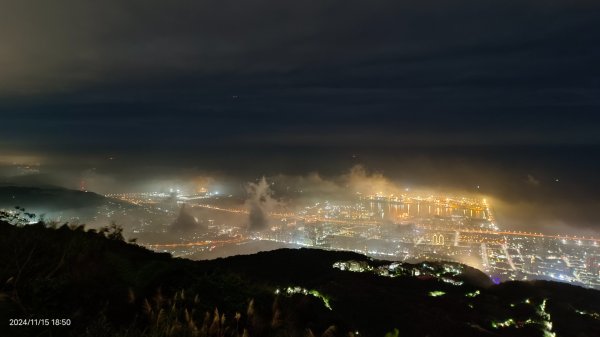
{"points": [[39, 322]]}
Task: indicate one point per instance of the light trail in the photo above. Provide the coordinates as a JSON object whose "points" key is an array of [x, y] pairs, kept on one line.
{"points": [[517, 233], [197, 243]]}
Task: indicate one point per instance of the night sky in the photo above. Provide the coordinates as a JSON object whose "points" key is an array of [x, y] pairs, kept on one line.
{"points": [[501, 94]]}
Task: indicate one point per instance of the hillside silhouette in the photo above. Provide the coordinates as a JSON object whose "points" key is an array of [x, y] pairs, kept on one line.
{"points": [[107, 287], [55, 199]]}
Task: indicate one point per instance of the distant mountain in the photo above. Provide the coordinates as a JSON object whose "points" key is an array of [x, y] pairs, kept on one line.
{"points": [[51, 198], [110, 288], [37, 179]]}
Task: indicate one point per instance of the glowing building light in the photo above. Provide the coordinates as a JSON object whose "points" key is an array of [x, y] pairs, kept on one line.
{"points": [[436, 293]]}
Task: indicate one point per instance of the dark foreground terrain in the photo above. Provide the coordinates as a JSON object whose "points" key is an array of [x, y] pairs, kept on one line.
{"points": [[104, 286]]}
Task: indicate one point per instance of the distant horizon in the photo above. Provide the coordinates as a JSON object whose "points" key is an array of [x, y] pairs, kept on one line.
{"points": [[510, 215]]}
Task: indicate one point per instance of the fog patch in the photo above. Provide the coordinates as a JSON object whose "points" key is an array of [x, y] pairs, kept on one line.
{"points": [[259, 203]]}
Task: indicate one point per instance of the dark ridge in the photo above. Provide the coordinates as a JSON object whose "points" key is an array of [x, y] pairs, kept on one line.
{"points": [[107, 287], [51, 198]]}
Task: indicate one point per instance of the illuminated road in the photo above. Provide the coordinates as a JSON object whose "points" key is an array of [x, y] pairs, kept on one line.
{"points": [[197, 243], [290, 215], [512, 233], [539, 235], [215, 208]]}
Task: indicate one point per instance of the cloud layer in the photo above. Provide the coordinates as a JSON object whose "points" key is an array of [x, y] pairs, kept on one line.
{"points": [[501, 94]]}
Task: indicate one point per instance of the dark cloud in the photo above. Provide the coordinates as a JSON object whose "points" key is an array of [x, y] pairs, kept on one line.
{"points": [[68, 45], [437, 93], [156, 75]]}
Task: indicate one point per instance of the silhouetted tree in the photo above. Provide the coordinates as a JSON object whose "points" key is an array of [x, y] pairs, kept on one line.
{"points": [[112, 232]]}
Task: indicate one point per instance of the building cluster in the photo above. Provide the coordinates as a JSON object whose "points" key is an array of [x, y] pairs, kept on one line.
{"points": [[406, 228]]}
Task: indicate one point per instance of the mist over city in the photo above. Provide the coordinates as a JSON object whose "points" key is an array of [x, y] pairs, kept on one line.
{"points": [[274, 160]]}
